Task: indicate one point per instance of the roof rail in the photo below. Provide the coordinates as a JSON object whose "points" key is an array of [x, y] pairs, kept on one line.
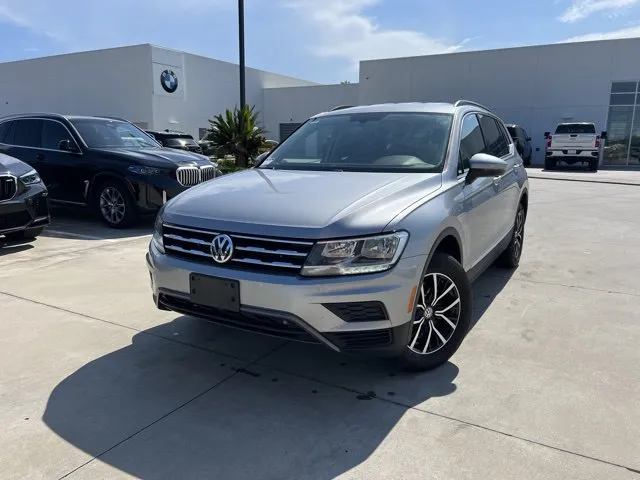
{"points": [[462, 102], [340, 107]]}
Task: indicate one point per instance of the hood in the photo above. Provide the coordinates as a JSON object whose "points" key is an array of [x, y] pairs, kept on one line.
{"points": [[159, 157], [13, 166], [300, 204]]}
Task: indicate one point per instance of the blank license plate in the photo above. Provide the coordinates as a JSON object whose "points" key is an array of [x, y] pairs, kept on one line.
{"points": [[215, 292], [572, 152]]}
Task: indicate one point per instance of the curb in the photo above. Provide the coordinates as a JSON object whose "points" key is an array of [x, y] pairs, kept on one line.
{"points": [[583, 180]]}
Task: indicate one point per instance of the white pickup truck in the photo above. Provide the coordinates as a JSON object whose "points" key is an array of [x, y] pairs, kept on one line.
{"points": [[572, 143]]}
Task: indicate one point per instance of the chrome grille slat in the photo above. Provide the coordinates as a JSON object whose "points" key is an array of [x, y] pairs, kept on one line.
{"points": [[275, 240], [269, 264], [278, 255], [288, 253], [184, 250], [187, 240]]}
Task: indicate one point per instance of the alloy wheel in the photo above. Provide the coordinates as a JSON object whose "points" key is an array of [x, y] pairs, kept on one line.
{"points": [[112, 205], [437, 314], [518, 233]]}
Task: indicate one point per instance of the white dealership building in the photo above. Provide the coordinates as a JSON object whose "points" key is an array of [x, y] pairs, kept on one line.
{"points": [[535, 87]]}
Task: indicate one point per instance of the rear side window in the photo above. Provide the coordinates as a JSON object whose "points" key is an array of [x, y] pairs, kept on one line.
{"points": [[27, 133], [495, 140], [4, 131], [575, 128], [52, 133], [471, 141]]}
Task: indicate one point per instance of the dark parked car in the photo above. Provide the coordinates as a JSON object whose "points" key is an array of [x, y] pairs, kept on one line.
{"points": [[522, 141], [24, 203], [179, 140], [104, 163]]}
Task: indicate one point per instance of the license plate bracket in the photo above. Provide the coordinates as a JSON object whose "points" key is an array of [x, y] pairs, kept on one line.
{"points": [[215, 292], [571, 152]]}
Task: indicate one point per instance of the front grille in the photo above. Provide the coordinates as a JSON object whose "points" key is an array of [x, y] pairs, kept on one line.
{"points": [[14, 220], [363, 340], [264, 323], [358, 311], [8, 187], [266, 254], [207, 173], [190, 176]]}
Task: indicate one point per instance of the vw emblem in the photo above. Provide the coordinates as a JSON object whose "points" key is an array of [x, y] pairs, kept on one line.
{"points": [[222, 248], [169, 81]]}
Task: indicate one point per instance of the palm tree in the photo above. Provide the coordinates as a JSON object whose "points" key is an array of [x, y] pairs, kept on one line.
{"points": [[237, 133]]}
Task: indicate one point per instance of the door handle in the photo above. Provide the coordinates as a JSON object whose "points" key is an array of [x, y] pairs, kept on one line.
{"points": [[39, 156]]}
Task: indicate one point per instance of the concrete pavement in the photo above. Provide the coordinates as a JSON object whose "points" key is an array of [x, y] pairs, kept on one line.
{"points": [[97, 383]]}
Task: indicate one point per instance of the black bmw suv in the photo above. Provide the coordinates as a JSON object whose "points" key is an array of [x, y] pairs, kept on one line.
{"points": [[103, 163], [24, 202]]}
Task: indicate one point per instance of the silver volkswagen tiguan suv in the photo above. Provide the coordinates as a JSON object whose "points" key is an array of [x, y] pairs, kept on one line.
{"points": [[362, 231]]}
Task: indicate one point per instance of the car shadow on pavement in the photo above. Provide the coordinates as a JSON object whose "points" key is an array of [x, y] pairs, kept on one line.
{"points": [[169, 405], [79, 223], [8, 247]]}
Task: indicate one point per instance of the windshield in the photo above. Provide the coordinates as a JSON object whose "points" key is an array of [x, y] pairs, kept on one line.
{"points": [[180, 142], [573, 128], [103, 133], [387, 141]]}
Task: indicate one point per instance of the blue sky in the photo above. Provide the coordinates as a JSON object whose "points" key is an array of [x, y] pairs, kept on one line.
{"points": [[320, 40]]}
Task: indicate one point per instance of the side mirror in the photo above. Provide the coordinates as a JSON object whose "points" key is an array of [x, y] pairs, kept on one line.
{"points": [[258, 160], [546, 134], [68, 146], [485, 165], [603, 135]]}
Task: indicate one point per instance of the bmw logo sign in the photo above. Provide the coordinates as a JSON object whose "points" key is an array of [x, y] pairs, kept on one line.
{"points": [[169, 81]]}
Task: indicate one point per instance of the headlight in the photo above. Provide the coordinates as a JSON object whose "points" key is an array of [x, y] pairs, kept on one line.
{"points": [[30, 177], [355, 256], [140, 170], [157, 234]]}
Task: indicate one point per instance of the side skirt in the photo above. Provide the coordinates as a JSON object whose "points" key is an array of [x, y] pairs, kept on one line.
{"points": [[486, 262]]}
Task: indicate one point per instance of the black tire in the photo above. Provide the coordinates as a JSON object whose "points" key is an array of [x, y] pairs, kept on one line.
{"points": [[510, 258], [549, 164], [446, 270], [593, 165], [114, 204], [527, 161], [28, 234]]}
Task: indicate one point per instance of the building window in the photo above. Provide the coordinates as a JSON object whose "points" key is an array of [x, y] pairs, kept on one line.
{"points": [[623, 125], [287, 129]]}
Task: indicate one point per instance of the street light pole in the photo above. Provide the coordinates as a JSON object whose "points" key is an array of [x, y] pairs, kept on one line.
{"points": [[241, 44]]}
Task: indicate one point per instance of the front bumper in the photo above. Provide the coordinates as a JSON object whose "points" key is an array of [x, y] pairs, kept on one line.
{"points": [[357, 314], [28, 209]]}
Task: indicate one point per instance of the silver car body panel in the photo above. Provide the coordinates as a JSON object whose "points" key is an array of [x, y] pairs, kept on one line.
{"points": [[329, 205]]}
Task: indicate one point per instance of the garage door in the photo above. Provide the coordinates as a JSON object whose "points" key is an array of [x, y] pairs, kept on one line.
{"points": [[287, 129]]}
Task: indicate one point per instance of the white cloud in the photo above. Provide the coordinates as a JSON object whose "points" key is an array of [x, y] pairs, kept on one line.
{"points": [[341, 30], [581, 9], [630, 32]]}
